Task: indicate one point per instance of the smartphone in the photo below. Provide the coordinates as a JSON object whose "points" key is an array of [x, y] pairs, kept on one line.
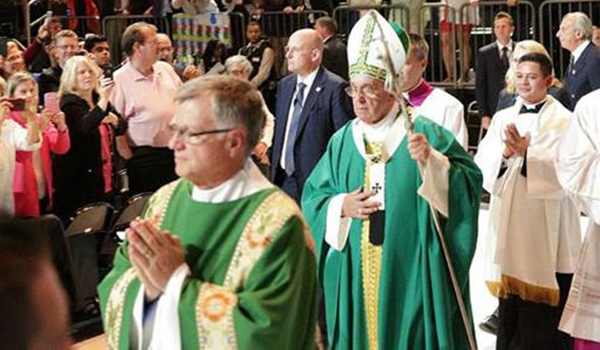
{"points": [[51, 102], [18, 104]]}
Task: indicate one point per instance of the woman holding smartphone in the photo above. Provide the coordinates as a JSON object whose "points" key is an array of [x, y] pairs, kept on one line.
{"points": [[32, 185], [13, 137], [84, 174]]}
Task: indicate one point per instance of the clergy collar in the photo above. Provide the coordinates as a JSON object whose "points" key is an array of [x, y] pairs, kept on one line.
{"points": [[390, 129], [579, 50], [419, 93], [534, 105], [247, 181]]}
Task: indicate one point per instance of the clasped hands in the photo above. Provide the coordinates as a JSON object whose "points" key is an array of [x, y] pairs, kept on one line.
{"points": [[154, 254], [514, 142]]}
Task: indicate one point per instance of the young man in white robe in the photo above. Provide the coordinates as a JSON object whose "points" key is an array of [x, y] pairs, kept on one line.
{"points": [[578, 171], [533, 240], [432, 103]]}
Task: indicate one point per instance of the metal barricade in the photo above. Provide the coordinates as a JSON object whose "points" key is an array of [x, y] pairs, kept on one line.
{"points": [[81, 25], [437, 69], [551, 13], [279, 25], [237, 23], [347, 16], [114, 26], [482, 32]]}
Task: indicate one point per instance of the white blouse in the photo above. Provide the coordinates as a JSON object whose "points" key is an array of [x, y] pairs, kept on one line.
{"points": [[13, 137]]}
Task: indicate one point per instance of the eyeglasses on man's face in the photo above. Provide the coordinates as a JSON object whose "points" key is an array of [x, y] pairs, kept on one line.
{"points": [[368, 91], [194, 138]]}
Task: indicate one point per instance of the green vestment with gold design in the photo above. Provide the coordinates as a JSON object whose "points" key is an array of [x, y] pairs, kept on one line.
{"points": [[416, 307], [253, 273]]}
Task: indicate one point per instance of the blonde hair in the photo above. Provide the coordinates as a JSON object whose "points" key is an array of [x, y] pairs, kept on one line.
{"points": [[524, 47], [2, 86], [17, 79], [68, 79]]}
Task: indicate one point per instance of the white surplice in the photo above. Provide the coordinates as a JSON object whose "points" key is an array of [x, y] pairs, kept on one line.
{"points": [[447, 111], [534, 226], [579, 173]]}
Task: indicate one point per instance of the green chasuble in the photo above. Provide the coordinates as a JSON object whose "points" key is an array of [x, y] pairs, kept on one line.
{"points": [[416, 307], [253, 273]]}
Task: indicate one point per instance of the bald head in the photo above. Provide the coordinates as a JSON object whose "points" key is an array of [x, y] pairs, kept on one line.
{"points": [[165, 47], [304, 52]]}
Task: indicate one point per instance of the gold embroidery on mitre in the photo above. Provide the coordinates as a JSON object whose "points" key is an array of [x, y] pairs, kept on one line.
{"points": [[361, 66]]}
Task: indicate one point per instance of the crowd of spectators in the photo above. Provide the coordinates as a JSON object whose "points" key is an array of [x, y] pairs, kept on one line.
{"points": [[71, 118]]}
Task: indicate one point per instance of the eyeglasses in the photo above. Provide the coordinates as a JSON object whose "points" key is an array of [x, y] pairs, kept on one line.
{"points": [[367, 91], [66, 47], [194, 138]]}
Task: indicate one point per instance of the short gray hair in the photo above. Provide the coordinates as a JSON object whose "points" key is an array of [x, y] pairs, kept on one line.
{"points": [[235, 103], [581, 22], [238, 59]]}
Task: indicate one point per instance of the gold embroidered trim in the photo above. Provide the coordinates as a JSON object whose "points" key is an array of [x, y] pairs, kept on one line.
{"points": [[267, 220], [511, 285], [361, 66], [371, 271], [159, 202], [114, 308], [214, 317], [214, 308]]}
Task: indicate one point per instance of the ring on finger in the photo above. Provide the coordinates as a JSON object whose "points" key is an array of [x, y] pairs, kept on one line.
{"points": [[148, 252]]}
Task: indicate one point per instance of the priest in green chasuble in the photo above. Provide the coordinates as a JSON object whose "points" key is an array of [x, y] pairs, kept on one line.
{"points": [[385, 281], [221, 259]]}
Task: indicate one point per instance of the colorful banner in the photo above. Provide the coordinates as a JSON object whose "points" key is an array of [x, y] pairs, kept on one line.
{"points": [[192, 33]]}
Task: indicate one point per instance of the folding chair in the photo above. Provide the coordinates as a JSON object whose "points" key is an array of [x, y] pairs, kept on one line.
{"points": [[84, 234], [133, 208], [474, 127]]}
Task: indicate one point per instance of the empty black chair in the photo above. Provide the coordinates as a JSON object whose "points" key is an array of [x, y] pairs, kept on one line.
{"points": [[133, 208], [84, 234]]}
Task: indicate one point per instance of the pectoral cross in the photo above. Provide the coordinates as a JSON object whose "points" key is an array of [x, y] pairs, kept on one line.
{"points": [[376, 188]]}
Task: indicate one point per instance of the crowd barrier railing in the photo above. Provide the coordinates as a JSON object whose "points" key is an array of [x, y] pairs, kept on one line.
{"points": [[81, 25], [346, 16], [550, 14], [277, 26], [114, 26], [482, 33], [436, 73]]}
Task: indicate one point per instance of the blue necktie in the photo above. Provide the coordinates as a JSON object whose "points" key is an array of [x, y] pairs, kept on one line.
{"points": [[291, 139]]}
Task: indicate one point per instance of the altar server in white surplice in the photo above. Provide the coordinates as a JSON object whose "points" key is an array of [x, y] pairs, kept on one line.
{"points": [[432, 103], [578, 171], [533, 240]]}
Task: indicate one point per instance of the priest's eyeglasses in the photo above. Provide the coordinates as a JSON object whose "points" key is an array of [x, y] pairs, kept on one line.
{"points": [[367, 91], [194, 138]]}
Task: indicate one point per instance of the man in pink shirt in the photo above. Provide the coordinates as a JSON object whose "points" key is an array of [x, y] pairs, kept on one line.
{"points": [[144, 95]]}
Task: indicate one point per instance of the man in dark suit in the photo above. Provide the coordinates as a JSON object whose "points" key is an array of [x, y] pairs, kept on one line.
{"points": [[335, 57], [311, 106], [492, 63], [583, 73]]}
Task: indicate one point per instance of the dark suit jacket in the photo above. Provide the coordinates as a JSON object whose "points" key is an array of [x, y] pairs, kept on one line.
{"points": [[335, 56], [585, 76], [490, 79], [326, 109]]}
